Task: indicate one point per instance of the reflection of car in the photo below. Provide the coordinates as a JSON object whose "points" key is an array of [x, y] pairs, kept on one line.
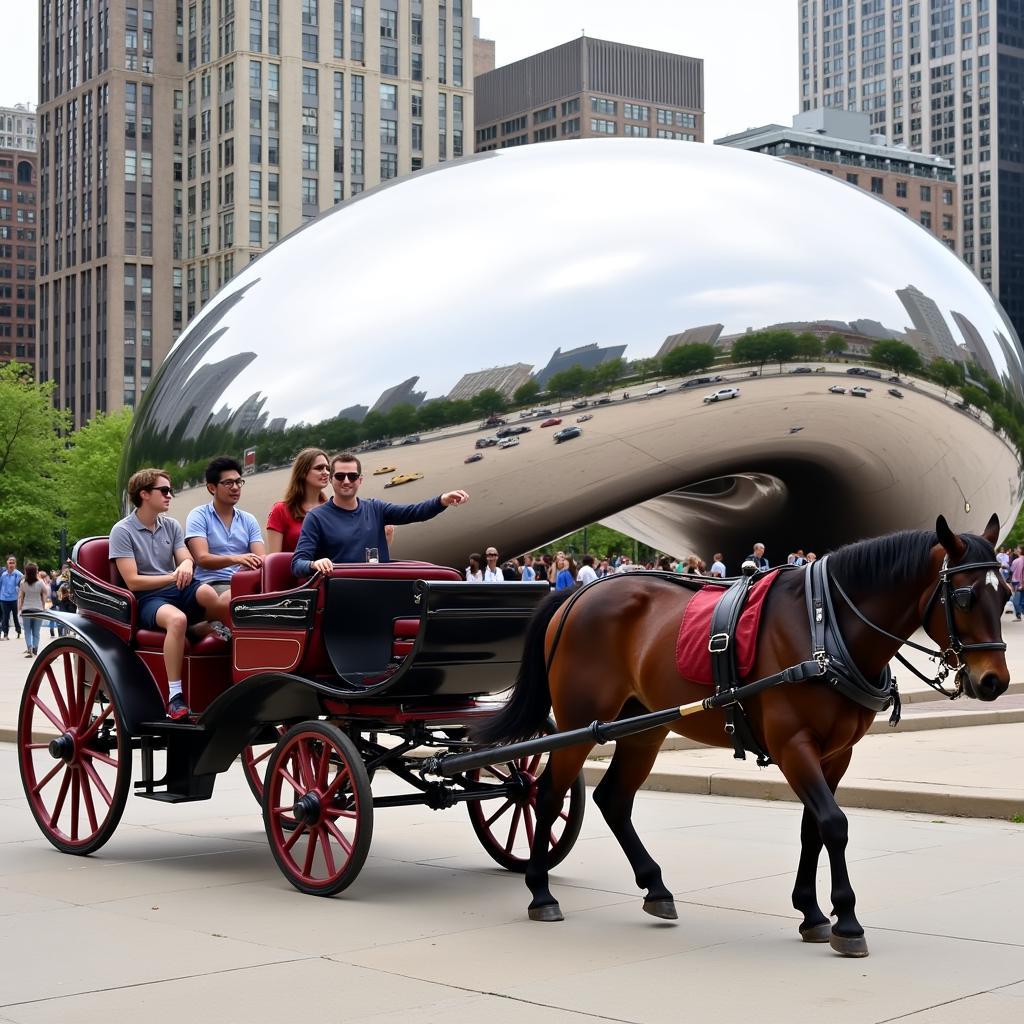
{"points": [[656, 390], [411, 439], [801, 369], [567, 434], [895, 392], [543, 412], [512, 431], [894, 380], [837, 389], [551, 422], [375, 446], [581, 404], [859, 392], [603, 401], [698, 382], [403, 478], [384, 469], [486, 442], [583, 419], [508, 442], [721, 395], [475, 457]]}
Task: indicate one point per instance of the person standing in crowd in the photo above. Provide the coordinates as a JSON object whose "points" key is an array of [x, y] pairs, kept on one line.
{"points": [[1017, 582], [1003, 558], [587, 573], [565, 576], [510, 570], [528, 574], [32, 595], [10, 580], [811, 556], [757, 557], [718, 566], [492, 571], [625, 564], [474, 572], [665, 564], [64, 604], [311, 473], [53, 581], [604, 568]]}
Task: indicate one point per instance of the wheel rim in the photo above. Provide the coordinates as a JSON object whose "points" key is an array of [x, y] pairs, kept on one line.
{"points": [[255, 759], [316, 809], [507, 826], [75, 763]]}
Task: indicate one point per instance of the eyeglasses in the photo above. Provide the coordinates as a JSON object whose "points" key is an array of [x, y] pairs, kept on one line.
{"points": [[492, 554], [167, 492], [320, 469], [351, 477], [235, 481]]}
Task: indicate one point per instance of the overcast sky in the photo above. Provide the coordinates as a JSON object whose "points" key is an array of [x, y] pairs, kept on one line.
{"points": [[749, 47]]}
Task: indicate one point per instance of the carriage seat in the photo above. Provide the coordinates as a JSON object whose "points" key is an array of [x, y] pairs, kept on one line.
{"points": [[93, 556]]}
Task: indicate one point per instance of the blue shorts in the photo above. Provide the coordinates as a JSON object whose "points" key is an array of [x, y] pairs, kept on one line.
{"points": [[149, 604]]}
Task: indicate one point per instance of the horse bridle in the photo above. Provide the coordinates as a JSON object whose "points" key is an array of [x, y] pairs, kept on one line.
{"points": [[951, 659]]}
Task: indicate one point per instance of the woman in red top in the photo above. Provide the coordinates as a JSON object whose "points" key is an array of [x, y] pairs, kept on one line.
{"points": [[311, 472]]}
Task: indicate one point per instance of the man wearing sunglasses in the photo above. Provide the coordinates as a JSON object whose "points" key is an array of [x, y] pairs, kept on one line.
{"points": [[344, 527], [221, 537], [149, 549]]}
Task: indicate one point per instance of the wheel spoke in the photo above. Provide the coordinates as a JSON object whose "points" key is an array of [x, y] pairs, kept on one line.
{"points": [[90, 810], [83, 708], [69, 682], [534, 764], [294, 838], [498, 813], [98, 755], [528, 820], [332, 789], [59, 726], [94, 775], [61, 797], [256, 760], [340, 836], [552, 839], [76, 799], [307, 867], [58, 696], [89, 701], [513, 829], [49, 775], [497, 773], [283, 772], [304, 758], [322, 768], [95, 724], [564, 815], [325, 845]]}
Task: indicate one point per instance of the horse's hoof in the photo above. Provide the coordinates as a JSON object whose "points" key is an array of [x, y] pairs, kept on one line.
{"points": [[665, 909], [848, 945], [817, 932], [549, 912]]}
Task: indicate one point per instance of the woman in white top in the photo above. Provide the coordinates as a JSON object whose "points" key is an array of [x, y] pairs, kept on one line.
{"points": [[32, 595], [474, 574]]}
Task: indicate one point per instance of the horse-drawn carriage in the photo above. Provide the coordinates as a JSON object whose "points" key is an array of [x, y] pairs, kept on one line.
{"points": [[322, 683]]}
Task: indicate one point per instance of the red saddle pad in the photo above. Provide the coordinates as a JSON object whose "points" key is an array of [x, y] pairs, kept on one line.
{"points": [[693, 659]]}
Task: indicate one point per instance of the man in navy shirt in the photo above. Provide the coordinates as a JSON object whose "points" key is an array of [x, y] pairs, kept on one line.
{"points": [[343, 528]]}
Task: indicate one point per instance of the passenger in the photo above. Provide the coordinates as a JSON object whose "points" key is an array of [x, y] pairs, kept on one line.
{"points": [[154, 562], [311, 473], [474, 571], [221, 537], [346, 526], [492, 571]]}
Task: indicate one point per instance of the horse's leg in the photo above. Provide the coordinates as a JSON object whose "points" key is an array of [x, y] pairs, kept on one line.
{"points": [[801, 765], [562, 768], [630, 765], [815, 926]]}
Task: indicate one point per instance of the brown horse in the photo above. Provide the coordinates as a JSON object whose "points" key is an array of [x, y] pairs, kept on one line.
{"points": [[608, 649]]}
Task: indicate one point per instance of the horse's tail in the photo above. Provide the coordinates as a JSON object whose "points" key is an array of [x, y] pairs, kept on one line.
{"points": [[528, 707]]}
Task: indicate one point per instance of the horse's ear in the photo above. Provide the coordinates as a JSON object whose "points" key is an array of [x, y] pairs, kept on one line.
{"points": [[991, 533], [954, 546]]}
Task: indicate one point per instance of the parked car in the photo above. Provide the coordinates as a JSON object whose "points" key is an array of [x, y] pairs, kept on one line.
{"points": [[543, 412], [567, 434], [895, 392], [801, 369], [580, 404], [859, 392], [403, 478], [375, 446], [699, 382], [721, 395], [512, 431], [475, 457], [658, 389], [552, 421], [508, 442], [486, 442], [603, 400], [492, 421], [411, 439], [583, 419], [837, 389], [893, 380], [384, 470]]}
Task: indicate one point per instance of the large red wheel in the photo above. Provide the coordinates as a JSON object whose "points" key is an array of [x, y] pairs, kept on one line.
{"points": [[318, 808], [76, 762], [505, 826], [254, 761]]}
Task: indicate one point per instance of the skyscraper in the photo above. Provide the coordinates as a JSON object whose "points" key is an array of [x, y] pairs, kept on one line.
{"points": [[179, 139], [939, 76]]}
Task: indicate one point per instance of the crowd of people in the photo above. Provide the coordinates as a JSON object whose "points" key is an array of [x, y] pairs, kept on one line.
{"points": [[33, 589]]}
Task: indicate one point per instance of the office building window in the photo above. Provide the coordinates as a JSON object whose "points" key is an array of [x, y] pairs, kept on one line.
{"points": [[309, 81], [389, 97], [601, 126], [309, 191], [255, 228]]}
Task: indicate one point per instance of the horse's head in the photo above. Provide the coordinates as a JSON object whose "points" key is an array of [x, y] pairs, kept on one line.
{"points": [[963, 613]]}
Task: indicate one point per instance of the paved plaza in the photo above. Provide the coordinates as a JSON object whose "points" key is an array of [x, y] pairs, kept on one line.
{"points": [[184, 914]]}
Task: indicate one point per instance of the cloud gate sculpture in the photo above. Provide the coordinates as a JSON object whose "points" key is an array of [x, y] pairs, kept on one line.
{"points": [[533, 259]]}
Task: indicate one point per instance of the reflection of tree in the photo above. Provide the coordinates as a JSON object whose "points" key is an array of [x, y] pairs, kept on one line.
{"points": [[897, 355]]}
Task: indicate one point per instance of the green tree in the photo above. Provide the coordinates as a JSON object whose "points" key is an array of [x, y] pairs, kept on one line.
{"points": [[526, 393], [782, 346], [835, 344], [809, 346], [751, 348], [489, 402], [897, 355], [975, 396], [943, 372], [644, 368], [31, 453], [688, 359], [88, 475], [568, 382], [605, 374]]}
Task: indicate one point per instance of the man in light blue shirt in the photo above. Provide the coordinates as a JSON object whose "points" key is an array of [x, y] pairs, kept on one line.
{"points": [[10, 578], [221, 537]]}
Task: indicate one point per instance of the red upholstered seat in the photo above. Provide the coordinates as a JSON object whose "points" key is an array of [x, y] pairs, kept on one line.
{"points": [[277, 573], [153, 640], [93, 555], [246, 582]]}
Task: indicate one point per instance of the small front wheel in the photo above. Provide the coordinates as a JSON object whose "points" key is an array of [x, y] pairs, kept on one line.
{"points": [[318, 808]]}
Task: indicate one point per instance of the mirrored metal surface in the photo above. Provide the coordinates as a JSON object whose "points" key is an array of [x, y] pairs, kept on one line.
{"points": [[608, 246]]}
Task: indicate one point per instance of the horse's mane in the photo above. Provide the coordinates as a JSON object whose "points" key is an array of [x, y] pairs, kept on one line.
{"points": [[897, 558]]}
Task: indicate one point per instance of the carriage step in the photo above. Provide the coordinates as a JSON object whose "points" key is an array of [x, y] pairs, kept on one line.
{"points": [[171, 798], [164, 726]]}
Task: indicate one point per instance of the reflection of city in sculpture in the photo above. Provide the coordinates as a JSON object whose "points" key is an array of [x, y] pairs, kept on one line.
{"points": [[657, 272]]}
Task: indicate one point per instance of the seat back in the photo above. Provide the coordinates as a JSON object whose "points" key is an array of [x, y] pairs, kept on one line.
{"points": [[93, 555], [277, 573]]}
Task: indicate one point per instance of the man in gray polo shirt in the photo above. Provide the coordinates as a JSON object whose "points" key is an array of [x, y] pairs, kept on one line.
{"points": [[151, 556]]}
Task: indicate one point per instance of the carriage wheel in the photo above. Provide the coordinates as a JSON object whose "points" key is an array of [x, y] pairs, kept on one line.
{"points": [[76, 762], [505, 827], [254, 762], [318, 808]]}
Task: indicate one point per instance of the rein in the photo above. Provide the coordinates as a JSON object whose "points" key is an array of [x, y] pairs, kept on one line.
{"points": [[950, 659]]}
